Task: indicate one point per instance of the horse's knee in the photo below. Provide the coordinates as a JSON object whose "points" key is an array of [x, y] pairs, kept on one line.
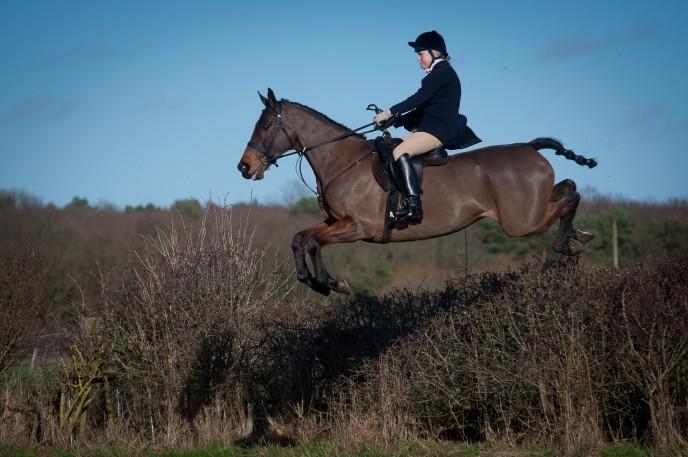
{"points": [[312, 247], [303, 275], [565, 189], [296, 243]]}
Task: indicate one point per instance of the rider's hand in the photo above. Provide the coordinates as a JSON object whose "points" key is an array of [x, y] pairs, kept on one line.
{"points": [[382, 117]]}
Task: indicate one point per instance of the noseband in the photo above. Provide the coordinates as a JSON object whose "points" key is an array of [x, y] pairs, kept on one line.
{"points": [[268, 158]]}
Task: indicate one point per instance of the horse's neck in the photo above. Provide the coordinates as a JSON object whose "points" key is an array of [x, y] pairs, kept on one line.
{"points": [[314, 129], [311, 127]]}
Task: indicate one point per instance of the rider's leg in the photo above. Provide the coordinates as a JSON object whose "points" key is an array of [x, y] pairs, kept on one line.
{"points": [[410, 187], [413, 143]]}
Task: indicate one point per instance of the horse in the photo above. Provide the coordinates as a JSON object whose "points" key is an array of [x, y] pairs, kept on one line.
{"points": [[512, 184]]}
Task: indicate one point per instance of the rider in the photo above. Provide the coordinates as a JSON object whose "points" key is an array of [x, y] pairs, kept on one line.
{"points": [[431, 115]]}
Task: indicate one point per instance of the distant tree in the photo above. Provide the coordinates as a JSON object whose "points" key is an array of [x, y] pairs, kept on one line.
{"points": [[494, 240], [78, 202], [8, 201], [293, 192], [148, 207], [670, 235], [12, 199], [189, 207], [308, 205], [104, 206], [627, 234]]}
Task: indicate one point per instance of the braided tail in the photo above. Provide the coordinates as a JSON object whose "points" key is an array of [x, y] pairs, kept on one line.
{"points": [[549, 143]]}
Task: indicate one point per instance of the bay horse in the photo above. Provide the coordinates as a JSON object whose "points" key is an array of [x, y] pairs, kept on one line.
{"points": [[512, 184]]}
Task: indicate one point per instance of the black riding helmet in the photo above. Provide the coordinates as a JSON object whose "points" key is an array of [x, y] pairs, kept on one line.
{"points": [[431, 41]]}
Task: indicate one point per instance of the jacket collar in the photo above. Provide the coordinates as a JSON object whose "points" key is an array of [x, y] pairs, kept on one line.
{"points": [[435, 62]]}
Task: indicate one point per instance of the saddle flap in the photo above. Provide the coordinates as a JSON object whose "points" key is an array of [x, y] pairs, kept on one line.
{"points": [[382, 169]]}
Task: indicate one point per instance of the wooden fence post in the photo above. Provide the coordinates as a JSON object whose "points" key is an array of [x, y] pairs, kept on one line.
{"points": [[615, 245]]}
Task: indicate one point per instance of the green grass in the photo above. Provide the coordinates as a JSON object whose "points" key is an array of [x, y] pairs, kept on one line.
{"points": [[21, 370], [325, 449]]}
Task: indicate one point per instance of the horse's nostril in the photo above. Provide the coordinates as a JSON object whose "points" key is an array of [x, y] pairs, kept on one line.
{"points": [[242, 167]]}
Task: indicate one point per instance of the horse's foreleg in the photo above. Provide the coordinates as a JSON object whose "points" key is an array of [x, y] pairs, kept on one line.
{"points": [[343, 231], [298, 248]]}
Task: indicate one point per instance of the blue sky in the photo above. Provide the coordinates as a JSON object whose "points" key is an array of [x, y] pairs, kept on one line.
{"points": [[136, 102]]}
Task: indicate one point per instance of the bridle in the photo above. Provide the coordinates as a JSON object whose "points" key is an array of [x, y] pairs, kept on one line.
{"points": [[268, 159]]}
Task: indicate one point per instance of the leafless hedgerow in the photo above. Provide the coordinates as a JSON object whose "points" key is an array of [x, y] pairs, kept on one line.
{"points": [[21, 269], [175, 345], [556, 354], [651, 307], [200, 340]]}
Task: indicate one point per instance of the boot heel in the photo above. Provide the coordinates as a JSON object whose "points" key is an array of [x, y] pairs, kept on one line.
{"points": [[415, 209]]}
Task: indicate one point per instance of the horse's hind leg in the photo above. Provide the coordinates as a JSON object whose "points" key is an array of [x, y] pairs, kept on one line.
{"points": [[568, 240]]}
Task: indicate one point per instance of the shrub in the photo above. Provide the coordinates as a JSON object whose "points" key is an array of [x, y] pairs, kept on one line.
{"points": [[21, 269], [558, 354], [179, 340]]}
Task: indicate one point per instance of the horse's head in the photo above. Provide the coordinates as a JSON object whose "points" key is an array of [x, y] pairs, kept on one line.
{"points": [[269, 140]]}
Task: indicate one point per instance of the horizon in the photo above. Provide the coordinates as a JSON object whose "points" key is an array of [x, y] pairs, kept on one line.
{"points": [[588, 195]]}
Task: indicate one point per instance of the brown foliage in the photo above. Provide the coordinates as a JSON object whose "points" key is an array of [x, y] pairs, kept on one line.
{"points": [[21, 268], [184, 330], [561, 355]]}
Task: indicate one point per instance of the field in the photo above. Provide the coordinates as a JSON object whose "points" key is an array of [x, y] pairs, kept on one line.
{"points": [[183, 332], [322, 449]]}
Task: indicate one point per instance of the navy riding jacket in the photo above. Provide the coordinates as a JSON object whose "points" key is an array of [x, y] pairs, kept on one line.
{"points": [[434, 108]]}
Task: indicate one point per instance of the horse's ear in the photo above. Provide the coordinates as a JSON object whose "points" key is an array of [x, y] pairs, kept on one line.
{"points": [[272, 100], [263, 99]]}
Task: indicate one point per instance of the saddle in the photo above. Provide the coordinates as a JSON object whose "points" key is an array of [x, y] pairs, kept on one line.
{"points": [[385, 175], [383, 169]]}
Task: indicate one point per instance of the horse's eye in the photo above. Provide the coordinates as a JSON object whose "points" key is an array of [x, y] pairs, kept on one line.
{"points": [[266, 126]]}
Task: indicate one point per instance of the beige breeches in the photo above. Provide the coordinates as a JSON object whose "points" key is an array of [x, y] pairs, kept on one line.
{"points": [[416, 143]]}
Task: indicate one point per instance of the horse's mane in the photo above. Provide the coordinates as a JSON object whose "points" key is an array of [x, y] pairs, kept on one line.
{"points": [[318, 113]]}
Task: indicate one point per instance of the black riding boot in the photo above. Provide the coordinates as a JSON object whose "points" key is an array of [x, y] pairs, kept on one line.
{"points": [[412, 210]]}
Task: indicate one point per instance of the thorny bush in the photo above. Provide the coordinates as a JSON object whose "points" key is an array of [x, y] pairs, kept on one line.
{"points": [[203, 340]]}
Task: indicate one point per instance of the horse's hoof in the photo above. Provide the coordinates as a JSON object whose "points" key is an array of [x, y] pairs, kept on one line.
{"points": [[575, 247], [342, 287], [310, 281], [571, 247], [583, 237], [321, 289]]}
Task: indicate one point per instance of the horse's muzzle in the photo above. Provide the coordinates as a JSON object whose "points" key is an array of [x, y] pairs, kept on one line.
{"points": [[244, 168]]}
